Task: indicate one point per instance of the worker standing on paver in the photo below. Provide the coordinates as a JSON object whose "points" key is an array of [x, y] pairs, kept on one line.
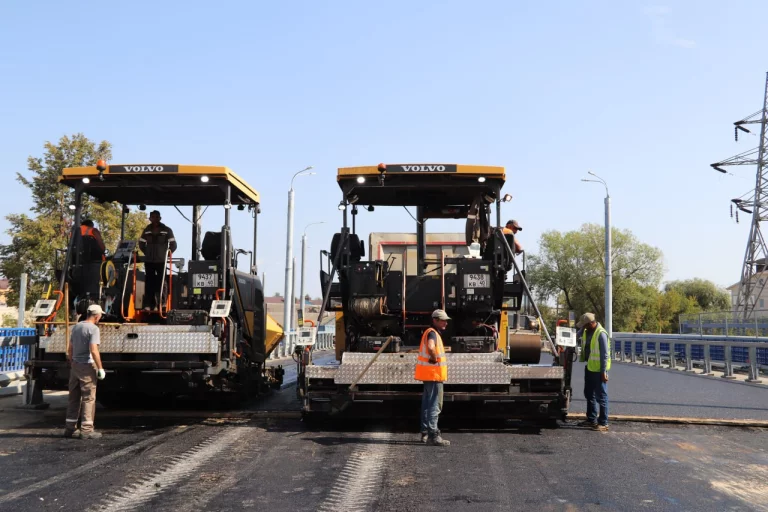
{"points": [[596, 352], [432, 370], [511, 228], [155, 242], [85, 368]]}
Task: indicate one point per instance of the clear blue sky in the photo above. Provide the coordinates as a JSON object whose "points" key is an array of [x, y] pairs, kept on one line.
{"points": [[644, 94]]}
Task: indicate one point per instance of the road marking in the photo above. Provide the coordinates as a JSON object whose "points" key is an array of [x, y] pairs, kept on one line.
{"points": [[358, 482], [139, 494], [87, 467]]}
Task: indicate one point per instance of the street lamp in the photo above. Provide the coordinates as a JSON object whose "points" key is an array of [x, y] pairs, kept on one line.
{"points": [[304, 265], [288, 308], [608, 269]]}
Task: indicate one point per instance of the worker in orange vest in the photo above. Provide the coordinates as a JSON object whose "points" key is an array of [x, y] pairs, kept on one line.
{"points": [[91, 236], [432, 370], [512, 228]]}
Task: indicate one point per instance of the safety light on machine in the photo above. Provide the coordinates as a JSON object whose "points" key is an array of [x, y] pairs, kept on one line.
{"points": [[354, 199], [481, 179], [204, 179], [361, 179], [507, 198], [86, 180], [342, 206], [101, 166]]}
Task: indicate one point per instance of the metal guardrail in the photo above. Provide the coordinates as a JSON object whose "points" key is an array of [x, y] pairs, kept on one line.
{"points": [[725, 323], [323, 341], [695, 350], [14, 351]]}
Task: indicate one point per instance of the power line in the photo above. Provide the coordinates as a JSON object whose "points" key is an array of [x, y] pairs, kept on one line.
{"points": [[755, 203]]}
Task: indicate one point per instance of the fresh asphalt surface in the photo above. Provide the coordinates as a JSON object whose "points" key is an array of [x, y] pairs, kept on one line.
{"points": [[284, 465], [647, 391]]}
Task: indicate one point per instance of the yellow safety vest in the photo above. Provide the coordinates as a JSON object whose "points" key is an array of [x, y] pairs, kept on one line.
{"points": [[426, 371], [593, 363]]}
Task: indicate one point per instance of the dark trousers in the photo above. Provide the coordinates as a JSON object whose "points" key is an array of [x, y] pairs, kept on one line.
{"points": [[431, 407], [596, 393], [152, 283]]}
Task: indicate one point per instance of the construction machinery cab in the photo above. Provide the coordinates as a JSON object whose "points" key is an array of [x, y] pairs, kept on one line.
{"points": [[378, 299]]}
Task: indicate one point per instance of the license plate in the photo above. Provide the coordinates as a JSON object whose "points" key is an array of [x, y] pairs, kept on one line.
{"points": [[477, 280], [205, 281]]}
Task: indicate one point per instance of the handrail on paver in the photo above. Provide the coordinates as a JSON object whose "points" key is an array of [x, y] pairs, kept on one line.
{"points": [[323, 341], [695, 349]]}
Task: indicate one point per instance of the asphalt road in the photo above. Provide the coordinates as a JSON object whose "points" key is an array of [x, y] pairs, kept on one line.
{"points": [[281, 465], [641, 390]]}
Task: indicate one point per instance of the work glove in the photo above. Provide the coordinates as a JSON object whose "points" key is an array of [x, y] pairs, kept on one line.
{"points": [[100, 374]]}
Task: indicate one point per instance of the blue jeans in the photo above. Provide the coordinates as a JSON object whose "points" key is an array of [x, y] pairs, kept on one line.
{"points": [[431, 406], [596, 393]]}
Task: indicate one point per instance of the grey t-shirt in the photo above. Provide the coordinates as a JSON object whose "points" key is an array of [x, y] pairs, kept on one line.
{"points": [[83, 335]]}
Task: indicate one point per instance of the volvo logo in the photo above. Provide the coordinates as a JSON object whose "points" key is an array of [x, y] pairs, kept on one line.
{"points": [[422, 168], [141, 169]]}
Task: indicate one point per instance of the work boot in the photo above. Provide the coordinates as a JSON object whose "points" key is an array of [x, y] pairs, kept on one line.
{"points": [[90, 435], [72, 433], [437, 441], [586, 423], [424, 437], [600, 428]]}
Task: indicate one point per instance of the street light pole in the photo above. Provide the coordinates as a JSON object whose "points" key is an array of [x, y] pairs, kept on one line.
{"points": [[304, 264], [287, 294], [608, 263]]}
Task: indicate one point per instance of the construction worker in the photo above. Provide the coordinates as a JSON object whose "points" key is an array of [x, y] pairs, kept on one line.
{"points": [[84, 369], [596, 352], [432, 370], [93, 245], [512, 228], [155, 242]]}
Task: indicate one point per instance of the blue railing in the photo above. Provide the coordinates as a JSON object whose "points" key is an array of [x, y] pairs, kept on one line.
{"points": [[716, 352], [12, 355], [693, 349]]}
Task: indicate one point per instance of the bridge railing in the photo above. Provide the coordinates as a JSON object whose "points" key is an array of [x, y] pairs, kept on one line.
{"points": [[694, 350], [14, 351], [323, 341], [725, 323]]}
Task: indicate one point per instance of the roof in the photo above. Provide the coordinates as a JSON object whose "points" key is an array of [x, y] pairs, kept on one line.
{"points": [[735, 286], [161, 184], [433, 186]]}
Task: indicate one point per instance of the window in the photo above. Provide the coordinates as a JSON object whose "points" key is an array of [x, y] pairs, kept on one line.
{"points": [[762, 303]]}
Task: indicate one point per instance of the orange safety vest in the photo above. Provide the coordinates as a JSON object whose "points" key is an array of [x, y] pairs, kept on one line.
{"points": [[426, 371], [88, 231]]}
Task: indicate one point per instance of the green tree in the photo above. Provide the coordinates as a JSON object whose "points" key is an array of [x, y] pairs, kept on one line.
{"points": [[707, 294], [572, 264], [38, 237]]}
